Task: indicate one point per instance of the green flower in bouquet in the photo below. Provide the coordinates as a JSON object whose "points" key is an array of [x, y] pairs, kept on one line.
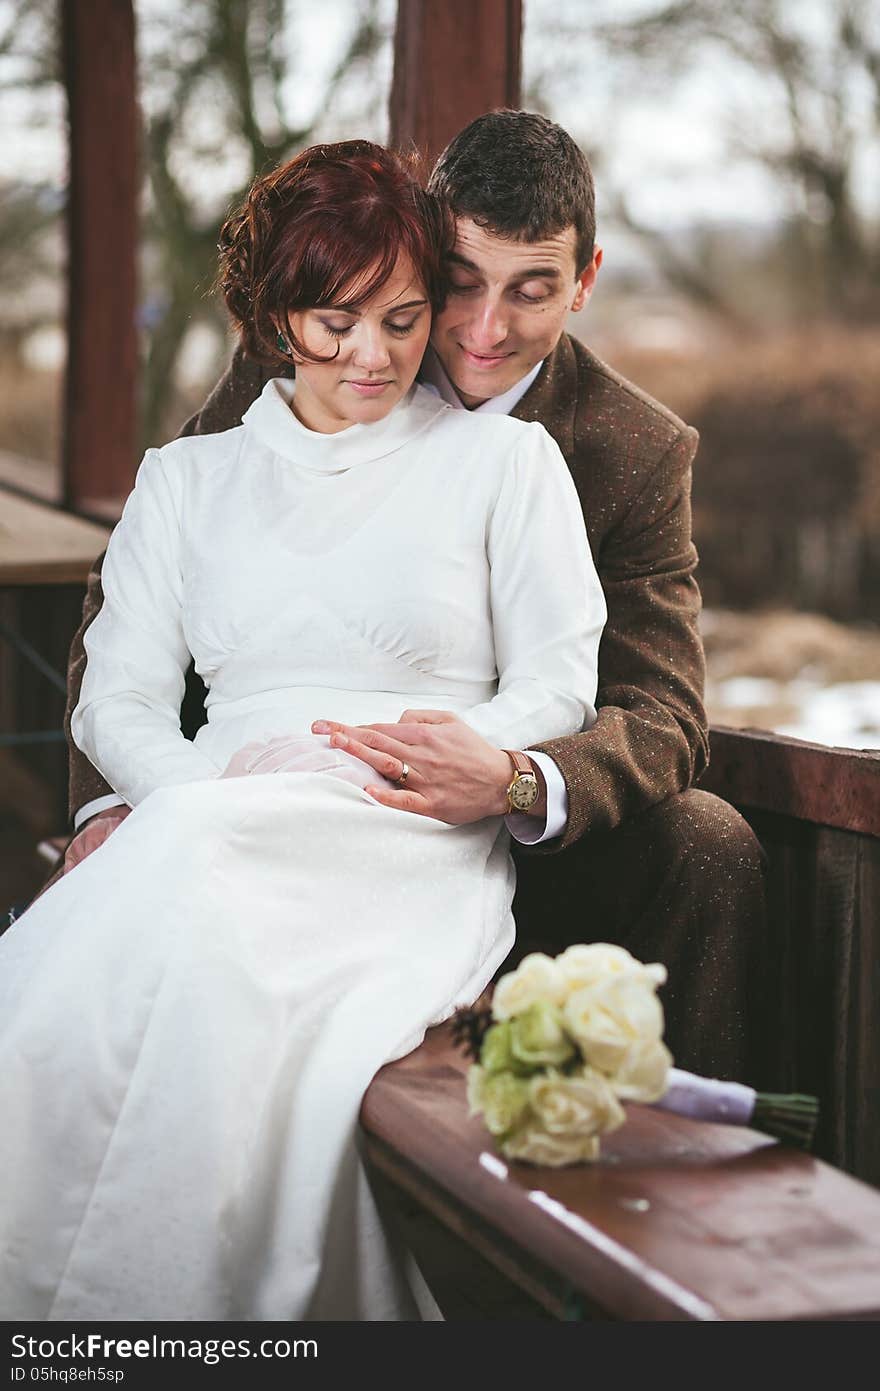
{"points": [[496, 1054], [502, 1098], [538, 1037]]}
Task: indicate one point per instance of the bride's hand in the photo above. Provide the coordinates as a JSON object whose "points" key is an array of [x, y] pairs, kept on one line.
{"points": [[308, 753]]}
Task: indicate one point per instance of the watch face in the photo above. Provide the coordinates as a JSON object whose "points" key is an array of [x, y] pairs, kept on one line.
{"points": [[524, 792]]}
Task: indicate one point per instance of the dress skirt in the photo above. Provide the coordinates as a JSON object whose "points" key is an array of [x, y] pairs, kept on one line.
{"points": [[188, 1022]]}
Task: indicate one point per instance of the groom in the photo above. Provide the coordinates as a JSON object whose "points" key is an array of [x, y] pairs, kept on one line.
{"points": [[616, 846]]}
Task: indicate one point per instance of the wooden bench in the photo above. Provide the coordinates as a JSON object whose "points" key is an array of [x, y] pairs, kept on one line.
{"points": [[680, 1220]]}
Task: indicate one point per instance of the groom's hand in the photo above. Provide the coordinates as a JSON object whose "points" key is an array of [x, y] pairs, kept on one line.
{"points": [[454, 775], [93, 833]]}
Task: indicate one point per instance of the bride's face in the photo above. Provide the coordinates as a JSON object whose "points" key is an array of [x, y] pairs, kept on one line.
{"points": [[380, 346]]}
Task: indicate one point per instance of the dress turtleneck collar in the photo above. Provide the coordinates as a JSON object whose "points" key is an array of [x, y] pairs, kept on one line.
{"points": [[272, 421]]}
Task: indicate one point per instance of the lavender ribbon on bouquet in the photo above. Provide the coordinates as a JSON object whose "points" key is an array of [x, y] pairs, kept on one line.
{"points": [[568, 1038], [789, 1117]]}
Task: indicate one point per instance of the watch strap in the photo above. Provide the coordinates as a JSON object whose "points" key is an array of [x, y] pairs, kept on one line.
{"points": [[521, 764]]}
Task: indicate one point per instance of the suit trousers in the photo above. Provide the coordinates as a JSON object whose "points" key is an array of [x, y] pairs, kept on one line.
{"points": [[683, 884]]}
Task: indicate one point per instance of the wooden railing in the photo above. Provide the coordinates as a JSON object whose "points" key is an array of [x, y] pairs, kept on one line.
{"points": [[809, 782], [816, 812]]}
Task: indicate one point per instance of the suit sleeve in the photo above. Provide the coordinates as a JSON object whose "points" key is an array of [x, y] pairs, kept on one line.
{"points": [[650, 739], [546, 601], [127, 720], [238, 387], [240, 384]]}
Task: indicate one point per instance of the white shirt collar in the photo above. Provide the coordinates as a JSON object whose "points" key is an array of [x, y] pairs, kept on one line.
{"points": [[433, 375]]}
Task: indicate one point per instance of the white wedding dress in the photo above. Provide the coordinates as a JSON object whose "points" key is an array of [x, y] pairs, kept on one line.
{"points": [[188, 1020]]}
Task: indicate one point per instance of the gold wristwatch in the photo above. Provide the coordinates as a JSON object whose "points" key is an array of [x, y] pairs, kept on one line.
{"points": [[522, 794]]}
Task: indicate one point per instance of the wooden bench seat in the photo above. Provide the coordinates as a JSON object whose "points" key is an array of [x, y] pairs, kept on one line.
{"points": [[679, 1220]]}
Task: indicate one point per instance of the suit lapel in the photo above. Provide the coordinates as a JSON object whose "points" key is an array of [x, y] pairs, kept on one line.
{"points": [[552, 397]]}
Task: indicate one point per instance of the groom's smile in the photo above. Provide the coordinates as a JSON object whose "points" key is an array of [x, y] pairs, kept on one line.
{"points": [[484, 360]]}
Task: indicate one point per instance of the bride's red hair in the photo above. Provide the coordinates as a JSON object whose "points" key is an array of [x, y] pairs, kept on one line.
{"points": [[327, 228]]}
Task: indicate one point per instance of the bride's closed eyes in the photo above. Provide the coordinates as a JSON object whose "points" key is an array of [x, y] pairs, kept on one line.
{"points": [[367, 350], [401, 328]]}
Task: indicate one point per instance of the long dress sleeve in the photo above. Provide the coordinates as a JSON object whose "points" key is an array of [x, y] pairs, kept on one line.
{"points": [[548, 609], [127, 720]]}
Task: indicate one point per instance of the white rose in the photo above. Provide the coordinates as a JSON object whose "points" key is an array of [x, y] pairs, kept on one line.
{"points": [[644, 1074], [581, 1104], [588, 963], [537, 1147], [537, 977], [613, 1016]]}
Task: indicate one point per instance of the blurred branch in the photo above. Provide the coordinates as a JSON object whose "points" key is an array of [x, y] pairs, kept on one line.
{"points": [[854, 19], [237, 52], [32, 37], [681, 272]]}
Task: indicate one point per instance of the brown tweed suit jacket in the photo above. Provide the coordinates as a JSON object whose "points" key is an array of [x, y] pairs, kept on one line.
{"points": [[631, 462]]}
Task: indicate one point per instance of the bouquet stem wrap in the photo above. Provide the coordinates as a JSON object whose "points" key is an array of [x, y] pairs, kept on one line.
{"points": [[707, 1099]]}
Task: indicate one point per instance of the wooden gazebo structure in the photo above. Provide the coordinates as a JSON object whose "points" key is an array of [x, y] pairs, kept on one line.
{"points": [[816, 810]]}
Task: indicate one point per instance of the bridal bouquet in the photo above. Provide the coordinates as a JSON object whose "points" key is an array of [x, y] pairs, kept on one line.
{"points": [[569, 1038]]}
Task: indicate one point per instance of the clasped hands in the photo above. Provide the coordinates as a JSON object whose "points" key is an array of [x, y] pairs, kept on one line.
{"points": [[454, 774]]}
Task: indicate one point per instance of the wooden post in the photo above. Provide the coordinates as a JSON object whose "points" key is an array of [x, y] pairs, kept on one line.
{"points": [[100, 425], [453, 60]]}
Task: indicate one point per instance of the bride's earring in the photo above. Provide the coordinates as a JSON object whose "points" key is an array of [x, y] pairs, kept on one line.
{"points": [[283, 345]]}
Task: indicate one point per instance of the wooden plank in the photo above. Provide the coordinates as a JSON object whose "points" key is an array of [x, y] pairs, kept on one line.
{"points": [[814, 1001], [42, 545], [679, 1220], [100, 431], [453, 60], [37, 478], [472, 1238], [835, 956], [826, 786]]}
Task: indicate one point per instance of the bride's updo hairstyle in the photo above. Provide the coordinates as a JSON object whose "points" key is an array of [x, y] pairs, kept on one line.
{"points": [[327, 228]]}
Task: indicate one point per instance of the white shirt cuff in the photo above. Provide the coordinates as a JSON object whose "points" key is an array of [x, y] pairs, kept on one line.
{"points": [[92, 808], [528, 829]]}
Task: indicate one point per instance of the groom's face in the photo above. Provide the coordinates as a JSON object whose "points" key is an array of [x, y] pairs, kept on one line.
{"points": [[507, 307]]}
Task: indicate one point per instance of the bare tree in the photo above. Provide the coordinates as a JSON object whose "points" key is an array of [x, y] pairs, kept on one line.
{"points": [[817, 69], [215, 79], [214, 93]]}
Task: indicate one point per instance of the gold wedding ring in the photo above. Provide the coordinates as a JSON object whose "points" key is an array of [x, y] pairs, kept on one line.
{"points": [[404, 774]]}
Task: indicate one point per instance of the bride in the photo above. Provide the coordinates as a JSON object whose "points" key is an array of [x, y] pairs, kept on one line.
{"points": [[189, 1019]]}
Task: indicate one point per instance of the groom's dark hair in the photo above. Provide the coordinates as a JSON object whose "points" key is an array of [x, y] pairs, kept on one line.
{"points": [[521, 176]]}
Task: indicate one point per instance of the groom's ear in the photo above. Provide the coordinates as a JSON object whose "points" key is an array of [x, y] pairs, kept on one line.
{"points": [[586, 280]]}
